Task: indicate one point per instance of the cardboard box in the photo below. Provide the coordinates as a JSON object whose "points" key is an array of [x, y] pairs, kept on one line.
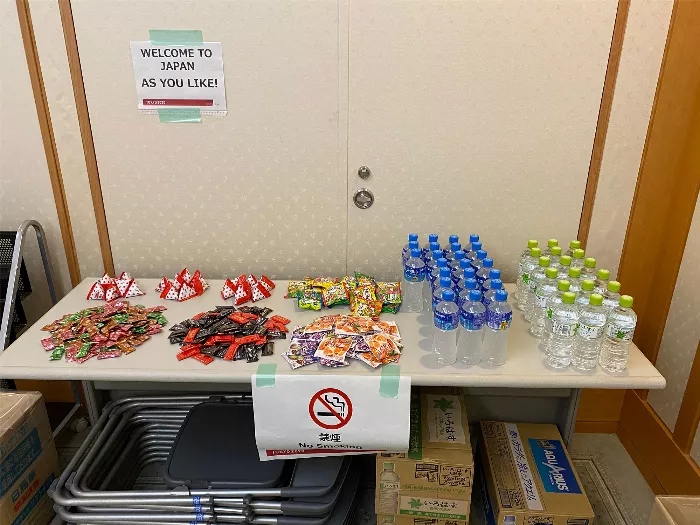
{"points": [[28, 459], [529, 477], [383, 519], [434, 478], [675, 510]]}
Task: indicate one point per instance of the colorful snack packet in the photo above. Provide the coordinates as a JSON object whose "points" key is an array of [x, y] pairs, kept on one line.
{"points": [[324, 282], [390, 295], [389, 328], [310, 300], [334, 295], [349, 282], [333, 348], [366, 307], [322, 324], [296, 288]]}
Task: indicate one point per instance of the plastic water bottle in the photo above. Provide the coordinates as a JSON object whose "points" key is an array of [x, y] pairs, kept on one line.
{"points": [[389, 485], [453, 239], [435, 273], [488, 297], [472, 315], [588, 271], [551, 243], [528, 265], [412, 237], [445, 283], [611, 297], [555, 256], [584, 294], [498, 318], [617, 337], [523, 257], [428, 254], [562, 328], [601, 282], [413, 282], [432, 269], [450, 253], [472, 239], [467, 285], [458, 257], [589, 334], [479, 261], [475, 247], [564, 265], [544, 290], [432, 257], [427, 248], [458, 273], [553, 301], [537, 275], [483, 273], [574, 278], [494, 273], [578, 258], [446, 317], [573, 245]]}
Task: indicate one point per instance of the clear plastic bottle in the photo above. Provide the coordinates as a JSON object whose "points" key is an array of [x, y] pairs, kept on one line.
{"points": [[494, 273], [458, 273], [435, 273], [498, 318], [611, 296], [431, 270], [453, 239], [483, 272], [583, 296], [574, 278], [471, 254], [413, 282], [431, 258], [488, 297], [538, 274], [450, 253], [472, 239], [573, 245], [389, 485], [429, 254], [589, 334], [588, 271], [472, 315], [555, 256], [601, 282], [564, 265], [528, 266], [617, 336], [467, 285], [551, 243], [554, 300], [446, 318], [544, 290], [427, 248], [458, 257], [412, 237], [578, 258], [444, 284], [388, 520], [560, 346], [479, 261], [467, 273], [523, 257]]}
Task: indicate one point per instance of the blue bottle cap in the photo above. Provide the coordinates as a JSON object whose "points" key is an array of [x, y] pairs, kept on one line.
{"points": [[494, 273], [474, 295], [445, 272], [496, 284], [412, 237], [470, 284], [415, 252], [459, 255], [448, 295], [413, 244], [434, 246], [432, 237], [445, 282], [501, 295], [437, 255], [454, 238], [464, 263], [455, 247], [473, 238], [476, 246], [481, 254], [488, 262], [442, 262], [469, 273]]}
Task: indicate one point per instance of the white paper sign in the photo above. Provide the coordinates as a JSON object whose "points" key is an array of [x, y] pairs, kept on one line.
{"points": [[179, 76], [314, 415]]}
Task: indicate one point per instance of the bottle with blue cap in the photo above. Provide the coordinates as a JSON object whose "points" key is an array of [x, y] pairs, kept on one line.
{"points": [[475, 247], [459, 257], [446, 321], [499, 315], [483, 273], [472, 239], [435, 272], [465, 286], [445, 283], [458, 273], [429, 257], [407, 248], [472, 315], [479, 261], [494, 273], [488, 297], [451, 254], [413, 282], [432, 237], [431, 267]]}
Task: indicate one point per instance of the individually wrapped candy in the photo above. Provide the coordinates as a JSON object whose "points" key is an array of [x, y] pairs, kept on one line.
{"points": [[390, 295], [310, 300], [324, 282], [296, 288], [349, 282], [184, 286], [366, 307], [334, 295], [110, 288], [333, 347]]}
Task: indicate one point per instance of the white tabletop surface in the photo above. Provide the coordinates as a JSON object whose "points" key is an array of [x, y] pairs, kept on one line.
{"points": [[155, 360]]}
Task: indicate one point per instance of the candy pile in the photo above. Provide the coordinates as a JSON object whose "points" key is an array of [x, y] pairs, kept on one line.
{"points": [[229, 334], [110, 288], [184, 286], [364, 295], [247, 288], [104, 331], [332, 339]]}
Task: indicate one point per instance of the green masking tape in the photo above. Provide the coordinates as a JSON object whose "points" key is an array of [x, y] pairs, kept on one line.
{"points": [[180, 115], [175, 37], [265, 376], [389, 384]]}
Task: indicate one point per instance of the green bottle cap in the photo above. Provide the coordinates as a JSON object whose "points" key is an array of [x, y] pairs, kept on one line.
{"points": [[535, 252], [551, 273], [532, 243], [565, 260], [614, 286], [388, 466], [603, 275], [552, 243], [579, 253], [575, 272], [595, 300], [626, 301], [589, 262], [556, 250], [563, 285], [588, 285], [575, 245], [544, 261], [568, 297]]}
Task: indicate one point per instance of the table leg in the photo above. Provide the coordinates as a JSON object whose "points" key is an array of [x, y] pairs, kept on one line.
{"points": [[572, 410], [93, 406]]}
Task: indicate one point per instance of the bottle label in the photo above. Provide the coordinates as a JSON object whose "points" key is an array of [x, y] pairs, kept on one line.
{"points": [[540, 300], [445, 321], [520, 268], [589, 332], [471, 320], [532, 284], [617, 332], [563, 329], [525, 277], [413, 275], [485, 301], [498, 320]]}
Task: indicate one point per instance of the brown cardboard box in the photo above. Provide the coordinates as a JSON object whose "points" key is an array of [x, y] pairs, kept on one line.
{"points": [[529, 477], [28, 459], [383, 519], [434, 478]]}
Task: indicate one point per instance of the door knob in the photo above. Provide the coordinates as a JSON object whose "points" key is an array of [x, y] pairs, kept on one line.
{"points": [[363, 198], [364, 172]]}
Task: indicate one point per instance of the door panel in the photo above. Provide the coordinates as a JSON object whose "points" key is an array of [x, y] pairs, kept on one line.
{"points": [[473, 116]]}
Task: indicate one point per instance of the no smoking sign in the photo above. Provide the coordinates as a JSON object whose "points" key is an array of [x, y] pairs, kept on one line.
{"points": [[330, 408]]}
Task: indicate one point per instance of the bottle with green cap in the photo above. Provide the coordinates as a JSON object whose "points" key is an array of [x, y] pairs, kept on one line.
{"points": [[555, 256], [562, 325], [574, 278], [584, 294], [551, 243], [617, 336], [545, 289], [578, 258], [521, 263], [611, 296], [573, 245], [589, 334], [536, 276], [601, 282], [564, 265], [553, 301], [389, 485], [528, 266], [588, 271]]}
